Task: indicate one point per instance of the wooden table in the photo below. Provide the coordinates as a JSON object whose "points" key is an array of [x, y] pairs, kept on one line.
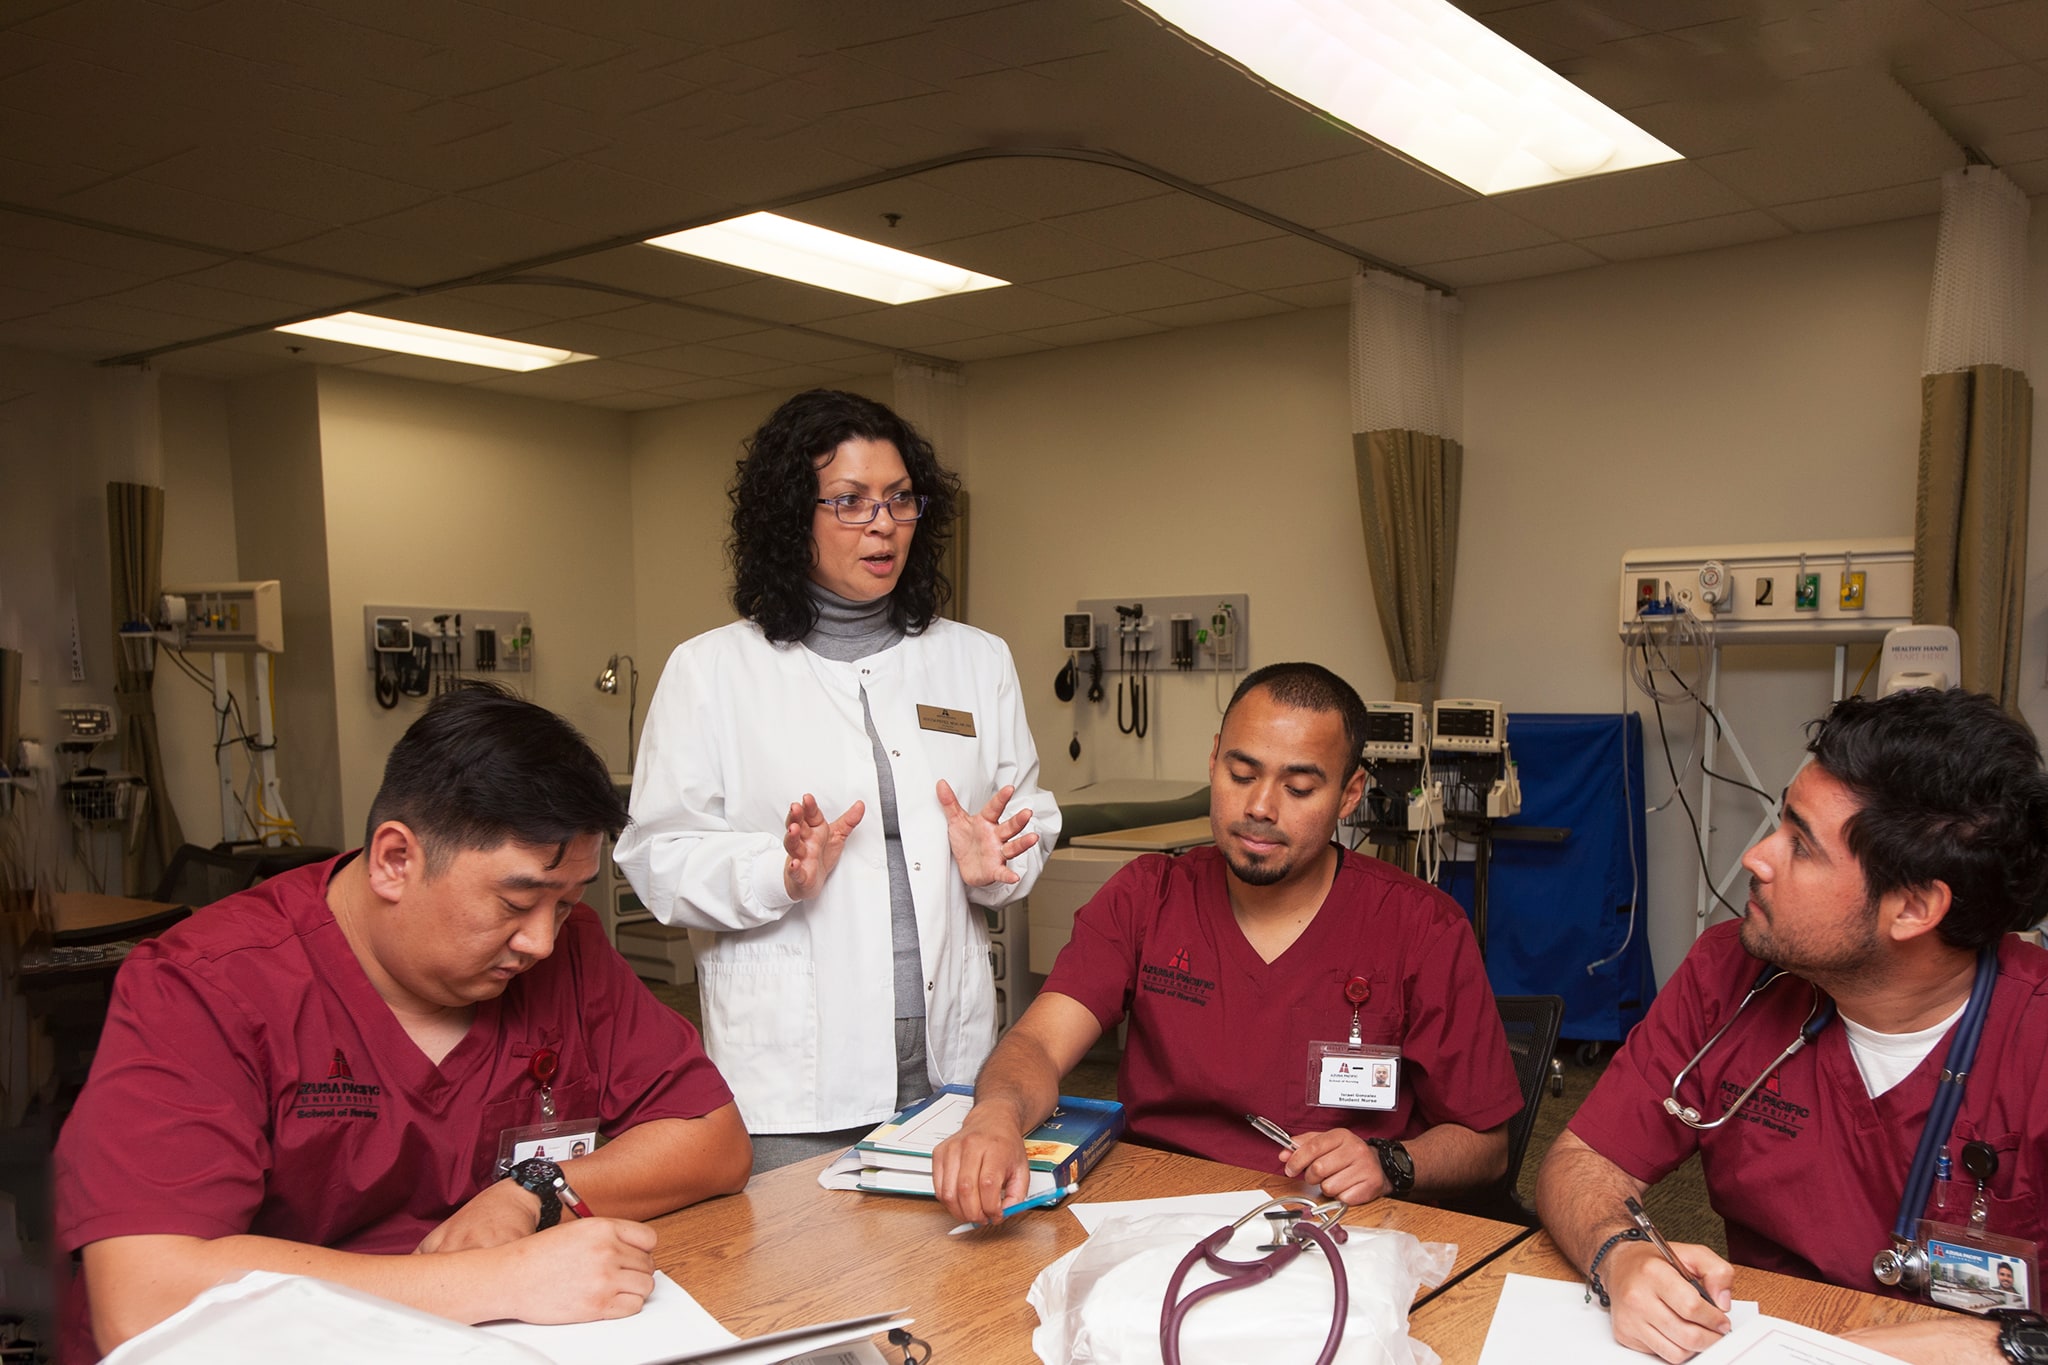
{"points": [[1455, 1321], [786, 1253]]}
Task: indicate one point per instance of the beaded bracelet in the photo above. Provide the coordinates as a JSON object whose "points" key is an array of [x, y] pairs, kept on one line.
{"points": [[1593, 1285]]}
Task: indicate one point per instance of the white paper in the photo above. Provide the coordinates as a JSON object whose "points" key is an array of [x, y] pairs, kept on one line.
{"points": [[1228, 1206], [1774, 1341], [1550, 1322], [668, 1324]]}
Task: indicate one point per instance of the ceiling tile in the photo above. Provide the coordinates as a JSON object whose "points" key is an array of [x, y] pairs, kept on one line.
{"points": [[925, 58], [796, 348], [1476, 227], [772, 300], [1007, 310], [703, 390], [709, 361], [1671, 193], [986, 348], [1916, 200], [631, 402], [464, 310], [209, 309], [902, 327], [2019, 29], [652, 270], [800, 377], [1088, 333], [1171, 226], [1040, 186], [924, 215], [1126, 289], [1836, 134], [1025, 35], [591, 338], [565, 384], [677, 322], [1033, 252], [491, 232], [127, 201], [376, 256], [1527, 263], [2031, 176], [1233, 308], [423, 367], [284, 183], [597, 199], [288, 290], [555, 301], [1329, 294], [1268, 265], [1363, 184], [1671, 239]]}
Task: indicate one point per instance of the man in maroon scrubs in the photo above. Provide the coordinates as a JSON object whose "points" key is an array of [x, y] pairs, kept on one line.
{"points": [[1244, 968], [1915, 841], [316, 1076]]}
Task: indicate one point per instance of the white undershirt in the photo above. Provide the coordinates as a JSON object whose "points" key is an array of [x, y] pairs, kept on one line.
{"points": [[1885, 1059]]}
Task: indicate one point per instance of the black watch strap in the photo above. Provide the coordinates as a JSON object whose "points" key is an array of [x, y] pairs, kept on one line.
{"points": [[1396, 1162], [2022, 1336], [538, 1175]]}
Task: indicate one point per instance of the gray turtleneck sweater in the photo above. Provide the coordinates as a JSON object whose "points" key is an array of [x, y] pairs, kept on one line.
{"points": [[848, 631]]}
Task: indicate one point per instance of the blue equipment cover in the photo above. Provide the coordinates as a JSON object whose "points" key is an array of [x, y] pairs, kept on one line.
{"points": [[1553, 909]]}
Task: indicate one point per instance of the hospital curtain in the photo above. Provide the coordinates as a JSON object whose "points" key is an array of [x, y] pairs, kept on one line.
{"points": [[135, 542], [933, 398], [1976, 431], [1406, 425]]}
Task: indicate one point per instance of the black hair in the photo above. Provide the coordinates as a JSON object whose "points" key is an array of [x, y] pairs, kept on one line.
{"points": [[1949, 788], [1311, 687], [774, 500], [483, 766]]}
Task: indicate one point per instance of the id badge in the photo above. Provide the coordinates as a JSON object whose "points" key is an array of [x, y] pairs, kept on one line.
{"points": [[565, 1140], [1354, 1076], [552, 1137], [1977, 1271]]}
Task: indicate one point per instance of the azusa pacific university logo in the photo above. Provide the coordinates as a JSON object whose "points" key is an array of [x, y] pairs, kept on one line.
{"points": [[337, 1070], [1175, 980], [1769, 1108], [339, 1095]]}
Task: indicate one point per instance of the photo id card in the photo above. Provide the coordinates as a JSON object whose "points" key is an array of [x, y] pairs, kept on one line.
{"points": [[1978, 1272], [564, 1140], [1341, 1076]]}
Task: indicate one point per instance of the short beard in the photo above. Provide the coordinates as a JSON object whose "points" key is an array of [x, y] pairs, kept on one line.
{"points": [[1267, 872], [1846, 963]]}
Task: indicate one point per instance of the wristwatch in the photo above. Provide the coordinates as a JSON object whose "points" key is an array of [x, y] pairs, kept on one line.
{"points": [[539, 1175], [1395, 1161], [2022, 1336]]}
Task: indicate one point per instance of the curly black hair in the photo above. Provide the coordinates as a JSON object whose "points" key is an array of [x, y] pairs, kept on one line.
{"points": [[1949, 788], [774, 499]]}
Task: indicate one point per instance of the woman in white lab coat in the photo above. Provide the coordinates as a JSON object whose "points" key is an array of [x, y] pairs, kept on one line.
{"points": [[831, 788]]}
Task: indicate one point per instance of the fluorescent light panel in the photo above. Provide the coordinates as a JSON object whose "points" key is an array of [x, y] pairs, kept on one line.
{"points": [[1427, 80], [442, 343], [773, 245]]}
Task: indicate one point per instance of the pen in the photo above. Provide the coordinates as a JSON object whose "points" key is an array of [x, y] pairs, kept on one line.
{"points": [[1272, 1130], [1036, 1201], [569, 1197], [1649, 1228]]}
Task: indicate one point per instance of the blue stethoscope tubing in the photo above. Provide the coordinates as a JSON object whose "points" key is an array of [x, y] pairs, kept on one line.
{"points": [[1948, 1097]]}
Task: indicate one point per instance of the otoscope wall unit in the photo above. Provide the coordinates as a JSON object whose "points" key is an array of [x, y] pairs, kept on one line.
{"points": [[418, 651], [1209, 632]]}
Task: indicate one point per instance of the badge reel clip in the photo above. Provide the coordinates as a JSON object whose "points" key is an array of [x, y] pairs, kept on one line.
{"points": [[1354, 1074], [552, 1138]]}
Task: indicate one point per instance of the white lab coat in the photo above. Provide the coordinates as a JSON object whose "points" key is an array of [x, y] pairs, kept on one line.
{"points": [[799, 999]]}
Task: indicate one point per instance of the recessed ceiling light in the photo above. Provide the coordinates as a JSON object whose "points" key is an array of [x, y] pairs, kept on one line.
{"points": [[1425, 79], [774, 245], [442, 343]]}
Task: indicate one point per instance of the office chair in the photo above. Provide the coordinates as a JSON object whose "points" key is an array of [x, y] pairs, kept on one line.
{"points": [[200, 876], [1532, 1023]]}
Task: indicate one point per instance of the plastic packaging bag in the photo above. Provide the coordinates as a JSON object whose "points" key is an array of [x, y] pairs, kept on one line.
{"points": [[1100, 1303]]}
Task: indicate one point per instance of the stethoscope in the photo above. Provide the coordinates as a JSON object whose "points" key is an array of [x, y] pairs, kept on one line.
{"points": [[1297, 1221], [1905, 1261]]}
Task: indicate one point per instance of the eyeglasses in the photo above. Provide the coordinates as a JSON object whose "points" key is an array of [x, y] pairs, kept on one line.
{"points": [[854, 510]]}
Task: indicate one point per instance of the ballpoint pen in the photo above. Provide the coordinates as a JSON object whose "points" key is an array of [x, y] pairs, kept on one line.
{"points": [[1036, 1201], [569, 1197], [1649, 1229], [1270, 1129]]}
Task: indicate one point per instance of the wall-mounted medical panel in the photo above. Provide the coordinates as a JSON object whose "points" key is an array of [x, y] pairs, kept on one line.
{"points": [[1821, 591]]}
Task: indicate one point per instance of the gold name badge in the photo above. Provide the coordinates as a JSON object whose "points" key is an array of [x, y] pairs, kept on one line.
{"points": [[946, 722]]}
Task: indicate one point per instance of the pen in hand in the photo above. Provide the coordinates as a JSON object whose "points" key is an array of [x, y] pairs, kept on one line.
{"points": [[1268, 1128], [1036, 1201], [1649, 1230]]}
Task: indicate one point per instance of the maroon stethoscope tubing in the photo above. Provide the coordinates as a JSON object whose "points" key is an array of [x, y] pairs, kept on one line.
{"points": [[1243, 1275]]}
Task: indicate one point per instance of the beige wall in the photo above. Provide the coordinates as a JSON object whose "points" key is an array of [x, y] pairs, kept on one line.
{"points": [[199, 547], [447, 496]]}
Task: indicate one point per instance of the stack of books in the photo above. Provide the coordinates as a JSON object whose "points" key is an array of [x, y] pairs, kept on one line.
{"points": [[896, 1158]]}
